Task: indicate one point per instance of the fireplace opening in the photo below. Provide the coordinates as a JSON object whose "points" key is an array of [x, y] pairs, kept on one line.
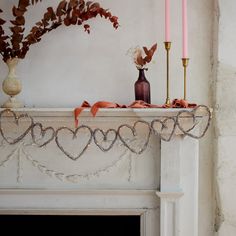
{"points": [[81, 225]]}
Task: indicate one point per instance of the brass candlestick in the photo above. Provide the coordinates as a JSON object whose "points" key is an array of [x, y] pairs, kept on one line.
{"points": [[185, 65], [168, 47]]}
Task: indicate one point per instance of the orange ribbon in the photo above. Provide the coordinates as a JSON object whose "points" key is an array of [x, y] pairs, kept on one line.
{"points": [[181, 103], [136, 104]]}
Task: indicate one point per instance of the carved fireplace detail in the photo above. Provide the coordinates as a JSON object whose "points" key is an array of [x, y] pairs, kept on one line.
{"points": [[122, 162]]}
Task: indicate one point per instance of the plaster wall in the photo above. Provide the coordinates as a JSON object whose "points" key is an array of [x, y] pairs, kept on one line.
{"points": [[225, 113], [69, 66]]}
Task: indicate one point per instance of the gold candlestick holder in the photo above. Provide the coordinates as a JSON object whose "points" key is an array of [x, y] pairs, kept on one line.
{"points": [[167, 47], [185, 65]]}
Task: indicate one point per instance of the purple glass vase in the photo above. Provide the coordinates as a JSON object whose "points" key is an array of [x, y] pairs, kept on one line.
{"points": [[142, 88]]}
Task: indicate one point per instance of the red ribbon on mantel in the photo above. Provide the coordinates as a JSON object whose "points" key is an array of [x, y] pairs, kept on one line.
{"points": [[181, 103], [177, 103]]}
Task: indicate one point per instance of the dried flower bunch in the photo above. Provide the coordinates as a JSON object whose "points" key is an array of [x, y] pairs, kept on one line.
{"points": [[68, 12], [142, 56]]}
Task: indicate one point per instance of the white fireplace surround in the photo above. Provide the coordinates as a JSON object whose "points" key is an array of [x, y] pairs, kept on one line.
{"points": [[160, 185]]}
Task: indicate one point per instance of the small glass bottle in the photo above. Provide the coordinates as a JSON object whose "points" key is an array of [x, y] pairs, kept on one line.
{"points": [[142, 88]]}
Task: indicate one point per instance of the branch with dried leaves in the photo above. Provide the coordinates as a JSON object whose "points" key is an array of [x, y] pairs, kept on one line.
{"points": [[68, 12]]}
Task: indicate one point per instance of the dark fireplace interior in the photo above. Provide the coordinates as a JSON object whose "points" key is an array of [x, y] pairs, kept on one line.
{"points": [[78, 225]]}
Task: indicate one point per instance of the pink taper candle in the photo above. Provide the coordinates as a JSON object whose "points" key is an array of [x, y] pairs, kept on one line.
{"points": [[185, 29], [167, 20]]}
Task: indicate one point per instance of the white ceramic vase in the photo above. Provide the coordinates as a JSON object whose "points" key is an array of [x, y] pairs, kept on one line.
{"points": [[11, 85]]}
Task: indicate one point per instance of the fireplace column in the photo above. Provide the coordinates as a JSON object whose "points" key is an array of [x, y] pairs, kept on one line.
{"points": [[179, 187]]}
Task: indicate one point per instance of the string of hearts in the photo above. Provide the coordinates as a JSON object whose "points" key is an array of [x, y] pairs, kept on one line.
{"points": [[164, 127]]}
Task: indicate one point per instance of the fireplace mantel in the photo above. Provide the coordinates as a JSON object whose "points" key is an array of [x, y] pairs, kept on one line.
{"points": [[160, 184], [103, 112]]}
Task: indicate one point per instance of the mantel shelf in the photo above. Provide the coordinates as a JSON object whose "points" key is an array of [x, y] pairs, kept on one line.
{"points": [[103, 112]]}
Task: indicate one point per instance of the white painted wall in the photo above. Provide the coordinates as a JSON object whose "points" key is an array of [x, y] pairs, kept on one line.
{"points": [[225, 120], [69, 66]]}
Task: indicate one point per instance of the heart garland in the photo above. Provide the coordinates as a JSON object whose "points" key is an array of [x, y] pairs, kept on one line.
{"points": [[189, 131], [16, 118], [45, 135], [107, 142], [134, 134], [164, 127], [74, 136]]}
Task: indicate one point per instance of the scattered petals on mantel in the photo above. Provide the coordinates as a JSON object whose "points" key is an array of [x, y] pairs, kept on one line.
{"points": [[177, 103], [181, 103]]}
